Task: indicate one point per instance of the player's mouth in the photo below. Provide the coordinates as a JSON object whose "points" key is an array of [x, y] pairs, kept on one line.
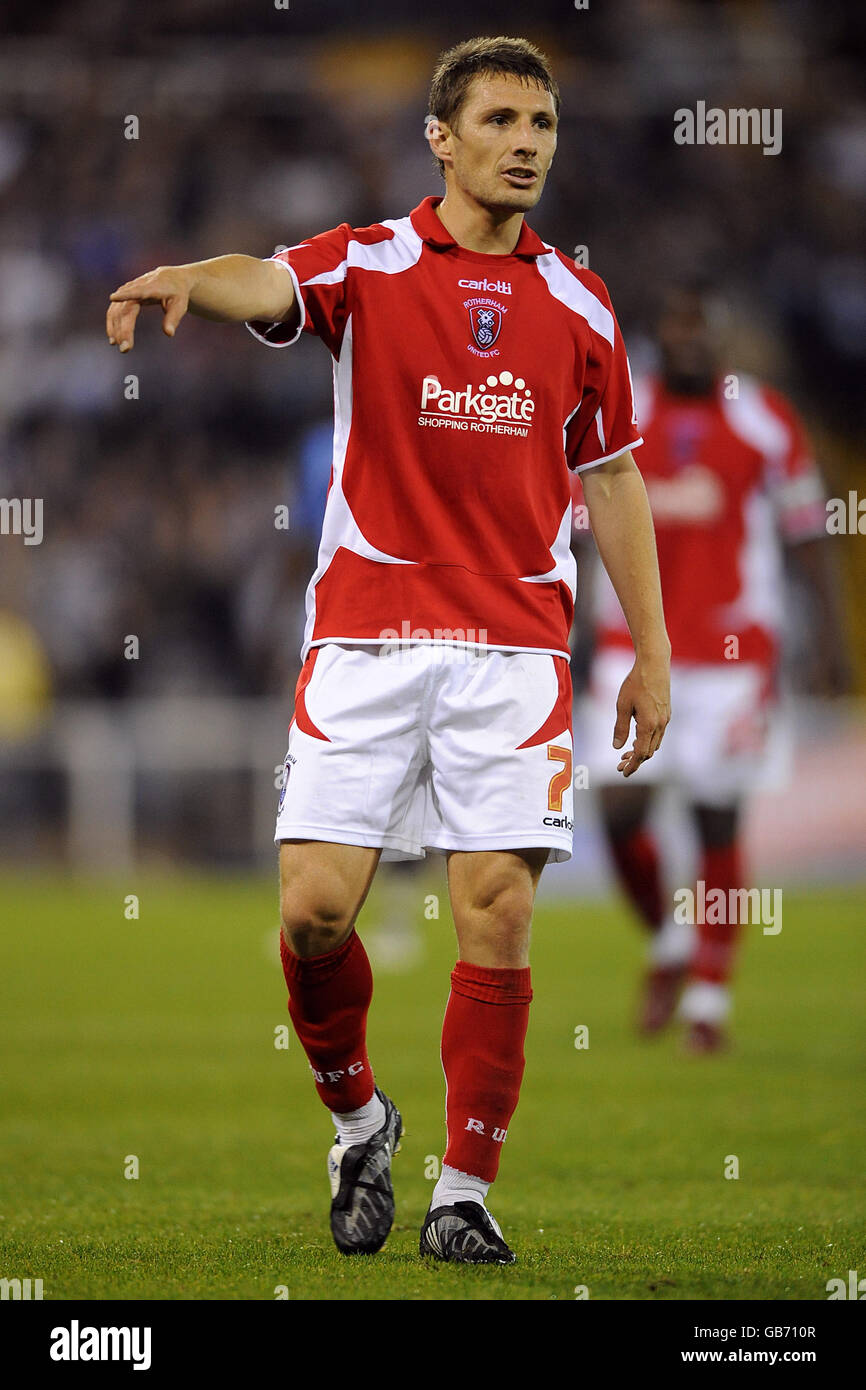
{"points": [[520, 176]]}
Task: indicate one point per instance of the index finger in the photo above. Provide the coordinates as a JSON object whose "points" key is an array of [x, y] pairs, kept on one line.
{"points": [[644, 735], [133, 289], [657, 737], [630, 762], [120, 324]]}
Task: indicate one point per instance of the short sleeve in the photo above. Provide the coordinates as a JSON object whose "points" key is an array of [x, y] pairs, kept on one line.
{"points": [[793, 479], [318, 268], [605, 422]]}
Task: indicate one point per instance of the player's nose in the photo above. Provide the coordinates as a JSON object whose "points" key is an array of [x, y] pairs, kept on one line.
{"points": [[524, 139]]}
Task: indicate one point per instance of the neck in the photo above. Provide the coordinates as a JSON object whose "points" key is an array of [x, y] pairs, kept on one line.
{"points": [[492, 231]]}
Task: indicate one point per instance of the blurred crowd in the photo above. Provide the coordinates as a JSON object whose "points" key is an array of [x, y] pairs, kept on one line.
{"points": [[163, 472]]}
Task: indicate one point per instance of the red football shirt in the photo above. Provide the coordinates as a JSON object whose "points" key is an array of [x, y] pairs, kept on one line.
{"points": [[728, 479], [465, 388]]}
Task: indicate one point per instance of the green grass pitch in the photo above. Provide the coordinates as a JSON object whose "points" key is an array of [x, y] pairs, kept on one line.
{"points": [[155, 1038]]}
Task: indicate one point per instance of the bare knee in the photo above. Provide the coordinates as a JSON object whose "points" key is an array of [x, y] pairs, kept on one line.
{"points": [[322, 889], [316, 911], [312, 927], [493, 926]]}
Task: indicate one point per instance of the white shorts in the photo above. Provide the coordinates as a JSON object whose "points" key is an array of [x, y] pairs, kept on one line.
{"points": [[727, 736], [430, 747]]}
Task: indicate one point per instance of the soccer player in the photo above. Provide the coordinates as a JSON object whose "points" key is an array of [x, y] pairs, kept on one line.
{"points": [[731, 482], [474, 365]]}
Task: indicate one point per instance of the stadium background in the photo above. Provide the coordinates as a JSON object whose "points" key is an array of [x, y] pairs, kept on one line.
{"points": [[154, 776]]}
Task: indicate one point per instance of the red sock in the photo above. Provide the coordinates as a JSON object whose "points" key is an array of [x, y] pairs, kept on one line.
{"points": [[482, 1057], [329, 997], [636, 858], [717, 941]]}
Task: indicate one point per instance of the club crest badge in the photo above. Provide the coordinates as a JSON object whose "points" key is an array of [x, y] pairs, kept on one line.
{"points": [[284, 780], [486, 321]]}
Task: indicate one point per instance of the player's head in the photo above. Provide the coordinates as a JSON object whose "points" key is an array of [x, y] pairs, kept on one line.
{"points": [[691, 329], [494, 108]]}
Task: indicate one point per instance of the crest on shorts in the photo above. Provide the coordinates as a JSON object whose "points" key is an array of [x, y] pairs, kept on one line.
{"points": [[486, 321], [287, 767]]}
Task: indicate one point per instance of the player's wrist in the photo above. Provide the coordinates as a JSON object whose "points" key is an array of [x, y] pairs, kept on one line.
{"points": [[191, 277], [655, 647]]}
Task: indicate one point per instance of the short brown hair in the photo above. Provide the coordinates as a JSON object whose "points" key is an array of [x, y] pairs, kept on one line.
{"points": [[457, 67]]}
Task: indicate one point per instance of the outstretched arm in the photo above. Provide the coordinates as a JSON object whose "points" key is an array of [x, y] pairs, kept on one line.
{"points": [[229, 289], [620, 517]]}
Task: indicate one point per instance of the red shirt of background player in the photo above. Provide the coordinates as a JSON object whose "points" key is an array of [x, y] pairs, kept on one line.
{"points": [[727, 476]]}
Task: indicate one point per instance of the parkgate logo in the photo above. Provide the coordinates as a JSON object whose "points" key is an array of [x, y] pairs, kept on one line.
{"points": [[503, 404]]}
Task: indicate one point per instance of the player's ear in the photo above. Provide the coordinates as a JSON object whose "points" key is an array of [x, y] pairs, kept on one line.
{"points": [[438, 135]]}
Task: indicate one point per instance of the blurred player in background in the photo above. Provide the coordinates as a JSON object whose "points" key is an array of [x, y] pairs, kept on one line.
{"points": [[474, 365], [734, 492]]}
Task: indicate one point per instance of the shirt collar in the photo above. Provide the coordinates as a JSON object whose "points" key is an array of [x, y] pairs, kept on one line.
{"points": [[432, 230]]}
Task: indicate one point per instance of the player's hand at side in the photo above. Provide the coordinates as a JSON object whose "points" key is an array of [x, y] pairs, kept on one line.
{"points": [[645, 696], [168, 286]]}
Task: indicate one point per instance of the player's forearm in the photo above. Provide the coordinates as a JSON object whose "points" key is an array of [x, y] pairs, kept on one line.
{"points": [[813, 562], [815, 565], [231, 289], [621, 522]]}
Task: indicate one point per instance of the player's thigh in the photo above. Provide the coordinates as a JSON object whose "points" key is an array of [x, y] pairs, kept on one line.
{"points": [[357, 752], [624, 808], [492, 896], [323, 886], [501, 755], [717, 825]]}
